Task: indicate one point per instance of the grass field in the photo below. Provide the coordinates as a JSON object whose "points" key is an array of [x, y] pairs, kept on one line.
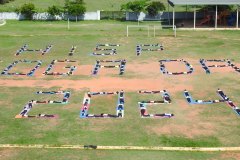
{"points": [[213, 125]]}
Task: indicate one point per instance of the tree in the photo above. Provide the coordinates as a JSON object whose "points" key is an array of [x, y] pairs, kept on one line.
{"points": [[28, 9], [136, 6], [54, 10], [75, 8], [154, 7]]}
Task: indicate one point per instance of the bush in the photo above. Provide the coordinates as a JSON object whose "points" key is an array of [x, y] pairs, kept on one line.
{"points": [[27, 10], [155, 7]]}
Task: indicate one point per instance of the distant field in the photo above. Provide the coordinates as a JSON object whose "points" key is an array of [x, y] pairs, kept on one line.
{"points": [[214, 125], [92, 5]]}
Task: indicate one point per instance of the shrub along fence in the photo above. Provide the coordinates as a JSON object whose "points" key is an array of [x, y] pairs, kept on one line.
{"points": [[99, 15], [113, 15]]}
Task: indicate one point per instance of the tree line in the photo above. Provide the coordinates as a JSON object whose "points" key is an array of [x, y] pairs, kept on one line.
{"points": [[71, 7], [77, 8]]}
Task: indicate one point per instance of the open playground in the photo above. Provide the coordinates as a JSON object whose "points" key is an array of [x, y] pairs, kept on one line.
{"points": [[93, 86]]}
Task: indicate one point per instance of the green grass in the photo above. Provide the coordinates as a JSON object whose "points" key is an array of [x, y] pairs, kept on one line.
{"points": [[186, 142], [193, 126]]}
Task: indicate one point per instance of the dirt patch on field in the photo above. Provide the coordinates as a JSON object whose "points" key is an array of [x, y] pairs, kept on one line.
{"points": [[108, 71], [190, 131], [231, 155], [84, 70], [145, 68], [7, 153], [175, 66], [99, 84]]}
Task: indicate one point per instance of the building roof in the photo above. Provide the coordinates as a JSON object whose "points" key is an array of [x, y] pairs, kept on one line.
{"points": [[203, 2]]}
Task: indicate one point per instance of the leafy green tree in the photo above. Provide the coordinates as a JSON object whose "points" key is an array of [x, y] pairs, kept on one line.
{"points": [[54, 10], [27, 9], [154, 7], [75, 8], [137, 6]]}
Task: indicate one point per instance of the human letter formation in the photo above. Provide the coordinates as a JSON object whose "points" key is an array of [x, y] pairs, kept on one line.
{"points": [[148, 48], [121, 64], [25, 48], [105, 50], [120, 104], [32, 103], [224, 98], [50, 67], [30, 73], [84, 112], [99, 64]]}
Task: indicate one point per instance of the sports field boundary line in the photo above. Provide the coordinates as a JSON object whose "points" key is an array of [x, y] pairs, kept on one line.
{"points": [[146, 148]]}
